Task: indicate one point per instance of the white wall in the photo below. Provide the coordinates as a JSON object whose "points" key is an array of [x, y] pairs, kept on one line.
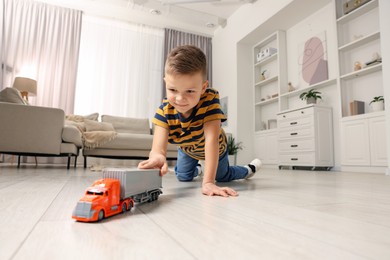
{"points": [[225, 64], [321, 21]]}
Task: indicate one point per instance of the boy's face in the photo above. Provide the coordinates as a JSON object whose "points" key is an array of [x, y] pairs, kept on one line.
{"points": [[184, 91]]}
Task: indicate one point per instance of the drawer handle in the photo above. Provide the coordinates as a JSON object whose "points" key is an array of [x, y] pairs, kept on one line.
{"points": [[302, 112], [294, 134], [293, 123], [294, 159], [284, 116], [294, 145]]}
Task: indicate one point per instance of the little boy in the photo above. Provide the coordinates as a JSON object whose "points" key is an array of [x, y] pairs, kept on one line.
{"points": [[191, 117]]}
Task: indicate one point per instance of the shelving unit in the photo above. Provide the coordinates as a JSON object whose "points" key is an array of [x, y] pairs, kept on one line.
{"points": [[268, 101], [361, 41], [266, 95], [363, 137], [357, 43], [267, 91], [318, 85], [341, 18], [362, 72]]}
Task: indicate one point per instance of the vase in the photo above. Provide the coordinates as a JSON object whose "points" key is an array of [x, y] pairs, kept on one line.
{"points": [[232, 159], [311, 100], [377, 106]]}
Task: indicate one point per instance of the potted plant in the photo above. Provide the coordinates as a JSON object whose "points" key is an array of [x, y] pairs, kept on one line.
{"points": [[377, 103], [311, 96], [233, 149]]}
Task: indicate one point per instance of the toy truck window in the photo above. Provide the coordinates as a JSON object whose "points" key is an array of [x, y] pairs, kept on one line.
{"points": [[94, 192]]}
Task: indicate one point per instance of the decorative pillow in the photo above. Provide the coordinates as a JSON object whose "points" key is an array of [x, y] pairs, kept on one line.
{"points": [[93, 116], [91, 125], [78, 118], [128, 124], [12, 95]]}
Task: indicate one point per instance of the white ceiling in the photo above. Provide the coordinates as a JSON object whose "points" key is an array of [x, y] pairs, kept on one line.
{"points": [[195, 16]]}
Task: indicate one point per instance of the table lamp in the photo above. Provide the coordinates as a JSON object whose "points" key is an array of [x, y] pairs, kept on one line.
{"points": [[26, 86]]}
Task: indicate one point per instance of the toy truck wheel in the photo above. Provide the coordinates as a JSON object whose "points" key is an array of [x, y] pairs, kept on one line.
{"points": [[152, 197], [101, 215], [130, 206], [124, 207]]}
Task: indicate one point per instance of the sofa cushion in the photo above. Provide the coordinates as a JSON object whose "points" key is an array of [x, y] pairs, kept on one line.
{"points": [[128, 141], [128, 124], [71, 134], [91, 125], [80, 118], [12, 95]]}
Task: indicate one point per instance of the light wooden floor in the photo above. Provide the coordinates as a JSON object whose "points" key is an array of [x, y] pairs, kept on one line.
{"points": [[278, 215]]}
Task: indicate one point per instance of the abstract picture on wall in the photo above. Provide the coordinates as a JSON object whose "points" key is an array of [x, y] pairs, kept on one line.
{"points": [[313, 60]]}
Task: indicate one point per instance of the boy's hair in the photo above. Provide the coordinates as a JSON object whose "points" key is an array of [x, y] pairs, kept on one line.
{"points": [[186, 59]]}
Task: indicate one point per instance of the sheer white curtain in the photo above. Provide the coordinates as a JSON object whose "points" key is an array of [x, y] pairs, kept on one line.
{"points": [[41, 41], [120, 68]]}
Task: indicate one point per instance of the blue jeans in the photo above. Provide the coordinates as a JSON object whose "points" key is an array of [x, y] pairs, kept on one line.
{"points": [[186, 170]]}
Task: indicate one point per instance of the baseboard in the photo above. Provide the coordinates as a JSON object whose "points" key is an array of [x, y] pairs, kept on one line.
{"points": [[365, 169]]}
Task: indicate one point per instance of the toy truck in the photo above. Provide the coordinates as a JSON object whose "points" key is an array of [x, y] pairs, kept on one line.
{"points": [[117, 192]]}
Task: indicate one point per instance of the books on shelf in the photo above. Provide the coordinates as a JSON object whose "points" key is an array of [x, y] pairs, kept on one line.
{"points": [[356, 107]]}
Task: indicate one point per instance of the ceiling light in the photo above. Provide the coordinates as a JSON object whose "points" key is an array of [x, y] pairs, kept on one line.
{"points": [[155, 11]]}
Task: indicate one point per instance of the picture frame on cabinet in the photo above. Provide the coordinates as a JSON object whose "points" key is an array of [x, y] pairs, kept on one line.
{"points": [[272, 123], [263, 126], [224, 107]]}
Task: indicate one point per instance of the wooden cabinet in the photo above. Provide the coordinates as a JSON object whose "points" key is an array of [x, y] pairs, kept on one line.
{"points": [[355, 146], [363, 140], [306, 137], [266, 147]]}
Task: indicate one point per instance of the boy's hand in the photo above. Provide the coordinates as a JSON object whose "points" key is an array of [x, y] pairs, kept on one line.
{"points": [[157, 162], [210, 189]]}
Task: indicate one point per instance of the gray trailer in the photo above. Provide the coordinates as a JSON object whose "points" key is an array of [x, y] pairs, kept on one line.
{"points": [[140, 185]]}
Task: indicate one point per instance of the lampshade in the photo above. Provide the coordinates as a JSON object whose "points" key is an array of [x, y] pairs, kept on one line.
{"points": [[26, 86]]}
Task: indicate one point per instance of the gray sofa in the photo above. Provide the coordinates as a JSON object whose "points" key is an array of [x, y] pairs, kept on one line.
{"points": [[133, 141], [42, 131], [37, 131]]}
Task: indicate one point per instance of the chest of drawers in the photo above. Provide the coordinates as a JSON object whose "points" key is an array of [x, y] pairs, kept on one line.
{"points": [[306, 137]]}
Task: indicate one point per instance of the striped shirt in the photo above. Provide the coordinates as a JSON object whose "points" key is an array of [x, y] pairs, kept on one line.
{"points": [[188, 133]]}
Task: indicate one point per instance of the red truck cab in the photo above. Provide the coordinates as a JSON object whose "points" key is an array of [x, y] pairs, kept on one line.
{"points": [[101, 200]]}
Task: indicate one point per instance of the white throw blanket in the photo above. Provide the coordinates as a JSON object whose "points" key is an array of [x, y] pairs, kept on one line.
{"points": [[91, 139]]}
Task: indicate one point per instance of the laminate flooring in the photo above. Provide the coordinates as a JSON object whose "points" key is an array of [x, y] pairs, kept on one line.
{"points": [[277, 215]]}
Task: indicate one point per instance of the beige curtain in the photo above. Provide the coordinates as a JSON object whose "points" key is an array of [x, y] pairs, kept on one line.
{"points": [[41, 41]]}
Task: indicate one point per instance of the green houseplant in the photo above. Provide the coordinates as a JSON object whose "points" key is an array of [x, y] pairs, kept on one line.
{"points": [[311, 96], [233, 148], [377, 103]]}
